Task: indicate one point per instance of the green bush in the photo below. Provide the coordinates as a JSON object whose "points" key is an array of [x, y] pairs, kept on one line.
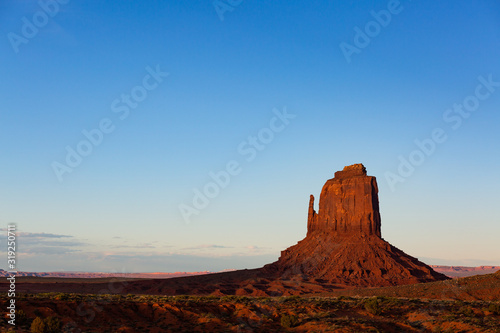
{"points": [[372, 306], [393, 302], [38, 325], [288, 321], [62, 296], [47, 325], [290, 299], [182, 297], [467, 311], [495, 308], [52, 325]]}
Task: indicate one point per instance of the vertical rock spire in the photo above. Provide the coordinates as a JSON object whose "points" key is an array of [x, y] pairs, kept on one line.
{"points": [[311, 216]]}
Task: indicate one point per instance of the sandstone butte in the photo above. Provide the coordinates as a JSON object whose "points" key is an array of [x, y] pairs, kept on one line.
{"points": [[343, 244], [343, 248]]}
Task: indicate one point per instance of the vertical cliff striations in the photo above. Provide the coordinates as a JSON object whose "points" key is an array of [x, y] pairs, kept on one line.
{"points": [[343, 243]]}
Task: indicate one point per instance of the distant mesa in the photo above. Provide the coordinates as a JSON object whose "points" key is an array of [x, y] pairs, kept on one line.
{"points": [[343, 243], [463, 271]]}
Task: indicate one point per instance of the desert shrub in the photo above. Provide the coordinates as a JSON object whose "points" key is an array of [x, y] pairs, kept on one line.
{"points": [[237, 299], [208, 315], [263, 299], [328, 304], [466, 311], [290, 299], [21, 317], [52, 325], [495, 308], [62, 296], [288, 321], [448, 317], [244, 299], [372, 306], [142, 299], [414, 301], [47, 325], [38, 326], [393, 302], [266, 318], [212, 298]]}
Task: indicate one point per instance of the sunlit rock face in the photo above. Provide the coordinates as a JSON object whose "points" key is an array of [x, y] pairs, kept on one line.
{"points": [[343, 243], [348, 204]]}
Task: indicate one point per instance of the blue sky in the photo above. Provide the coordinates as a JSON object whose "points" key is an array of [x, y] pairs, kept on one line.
{"points": [[171, 92]]}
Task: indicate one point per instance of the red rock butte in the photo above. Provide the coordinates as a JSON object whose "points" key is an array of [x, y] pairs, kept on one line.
{"points": [[344, 244], [348, 204], [343, 248]]}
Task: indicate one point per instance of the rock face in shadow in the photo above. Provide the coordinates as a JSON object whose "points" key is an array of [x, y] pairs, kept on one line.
{"points": [[343, 243]]}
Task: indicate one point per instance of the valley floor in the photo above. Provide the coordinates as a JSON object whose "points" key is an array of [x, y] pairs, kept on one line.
{"points": [[141, 313]]}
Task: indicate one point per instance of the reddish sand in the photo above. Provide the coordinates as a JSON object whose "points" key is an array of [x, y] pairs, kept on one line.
{"points": [[461, 305], [247, 282]]}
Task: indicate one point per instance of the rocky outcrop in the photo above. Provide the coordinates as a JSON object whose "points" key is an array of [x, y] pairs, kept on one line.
{"points": [[343, 243], [348, 204], [343, 248]]}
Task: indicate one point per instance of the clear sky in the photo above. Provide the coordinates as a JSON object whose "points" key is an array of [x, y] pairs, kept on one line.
{"points": [[116, 115]]}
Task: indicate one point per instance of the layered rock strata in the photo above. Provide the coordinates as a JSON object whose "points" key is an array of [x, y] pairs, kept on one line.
{"points": [[343, 243]]}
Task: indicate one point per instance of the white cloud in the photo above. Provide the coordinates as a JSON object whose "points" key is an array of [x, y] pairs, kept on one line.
{"points": [[40, 235]]}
